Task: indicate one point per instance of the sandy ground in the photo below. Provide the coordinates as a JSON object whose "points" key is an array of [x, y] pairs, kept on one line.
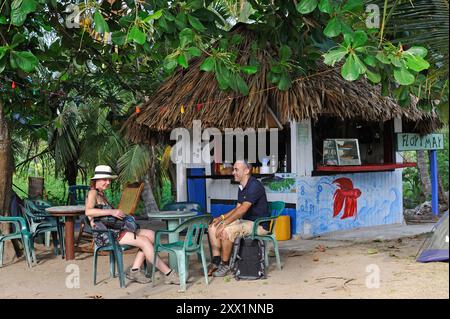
{"points": [[341, 272]]}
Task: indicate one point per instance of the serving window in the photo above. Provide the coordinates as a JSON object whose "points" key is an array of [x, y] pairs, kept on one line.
{"points": [[374, 140]]}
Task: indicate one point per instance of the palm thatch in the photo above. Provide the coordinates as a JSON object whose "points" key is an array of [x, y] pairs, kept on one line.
{"points": [[321, 92]]}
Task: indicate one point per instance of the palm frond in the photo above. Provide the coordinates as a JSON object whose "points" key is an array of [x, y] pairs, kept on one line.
{"points": [[134, 164]]}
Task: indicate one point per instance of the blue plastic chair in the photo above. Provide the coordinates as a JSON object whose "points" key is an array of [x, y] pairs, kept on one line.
{"points": [[192, 244], [22, 232], [115, 257]]}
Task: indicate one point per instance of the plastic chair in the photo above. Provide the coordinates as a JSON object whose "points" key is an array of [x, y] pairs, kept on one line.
{"points": [[20, 232], [275, 208], [115, 256], [193, 207], [77, 194], [39, 221], [192, 244]]}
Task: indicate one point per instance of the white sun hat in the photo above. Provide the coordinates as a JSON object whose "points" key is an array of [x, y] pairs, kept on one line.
{"points": [[103, 171]]}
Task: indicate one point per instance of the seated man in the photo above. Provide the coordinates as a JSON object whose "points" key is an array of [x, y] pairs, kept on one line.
{"points": [[252, 204]]}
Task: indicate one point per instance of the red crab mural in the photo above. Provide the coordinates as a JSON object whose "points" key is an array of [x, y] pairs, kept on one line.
{"points": [[345, 193]]}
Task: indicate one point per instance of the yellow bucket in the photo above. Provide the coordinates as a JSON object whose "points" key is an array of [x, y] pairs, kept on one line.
{"points": [[282, 229]]}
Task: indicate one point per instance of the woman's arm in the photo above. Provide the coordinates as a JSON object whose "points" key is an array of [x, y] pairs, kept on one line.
{"points": [[96, 212]]}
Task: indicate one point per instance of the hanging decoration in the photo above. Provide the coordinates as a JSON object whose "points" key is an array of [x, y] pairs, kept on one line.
{"points": [[182, 109]]}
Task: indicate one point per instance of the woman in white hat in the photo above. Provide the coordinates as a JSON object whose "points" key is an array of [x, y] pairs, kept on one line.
{"points": [[98, 206]]}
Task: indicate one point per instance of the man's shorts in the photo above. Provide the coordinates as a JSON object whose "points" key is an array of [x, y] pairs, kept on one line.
{"points": [[242, 228]]}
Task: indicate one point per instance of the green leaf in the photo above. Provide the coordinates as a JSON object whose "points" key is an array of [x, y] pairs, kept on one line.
{"points": [[373, 77], [195, 4], [381, 56], [136, 35], [350, 69], [17, 39], [25, 60], [285, 53], [194, 51], [249, 69], [359, 38], [403, 76], [3, 20], [326, 6], [335, 55], [420, 51], [208, 65], [222, 76], [186, 36], [417, 63], [370, 60], [154, 16], [100, 24], [20, 9], [285, 82], [170, 64], [119, 37], [353, 5], [242, 86], [397, 61], [182, 60], [276, 69], [195, 23], [333, 28], [3, 51], [306, 6]]}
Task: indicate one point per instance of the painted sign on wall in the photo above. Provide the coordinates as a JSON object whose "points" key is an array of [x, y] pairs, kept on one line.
{"points": [[341, 202], [415, 142]]}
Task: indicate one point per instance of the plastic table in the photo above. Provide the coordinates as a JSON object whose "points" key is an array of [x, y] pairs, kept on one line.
{"points": [[174, 218]]}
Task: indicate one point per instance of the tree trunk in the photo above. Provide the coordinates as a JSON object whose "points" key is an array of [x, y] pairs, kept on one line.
{"points": [[148, 198], [6, 169], [443, 199], [71, 172], [173, 179], [5, 164], [424, 174]]}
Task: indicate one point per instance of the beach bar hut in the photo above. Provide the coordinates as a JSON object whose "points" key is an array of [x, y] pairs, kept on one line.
{"points": [[338, 166]]}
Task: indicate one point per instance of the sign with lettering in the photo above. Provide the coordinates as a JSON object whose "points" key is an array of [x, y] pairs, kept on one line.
{"points": [[417, 142]]}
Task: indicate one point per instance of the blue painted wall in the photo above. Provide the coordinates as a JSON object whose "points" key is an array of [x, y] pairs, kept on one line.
{"points": [[196, 187], [380, 202]]}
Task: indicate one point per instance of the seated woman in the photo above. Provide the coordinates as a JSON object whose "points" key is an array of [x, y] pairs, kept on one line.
{"points": [[97, 206]]}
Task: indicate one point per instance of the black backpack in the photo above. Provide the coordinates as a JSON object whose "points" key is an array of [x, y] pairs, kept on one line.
{"points": [[247, 261]]}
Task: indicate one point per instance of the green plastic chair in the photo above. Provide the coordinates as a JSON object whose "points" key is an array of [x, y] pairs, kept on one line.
{"points": [[194, 207], [39, 221], [115, 257], [20, 232], [276, 209], [192, 244], [77, 194]]}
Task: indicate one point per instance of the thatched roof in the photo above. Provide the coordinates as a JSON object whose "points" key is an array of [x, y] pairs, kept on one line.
{"points": [[324, 91]]}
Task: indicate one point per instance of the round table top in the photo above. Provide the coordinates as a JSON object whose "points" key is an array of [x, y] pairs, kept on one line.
{"points": [[172, 214], [66, 210]]}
